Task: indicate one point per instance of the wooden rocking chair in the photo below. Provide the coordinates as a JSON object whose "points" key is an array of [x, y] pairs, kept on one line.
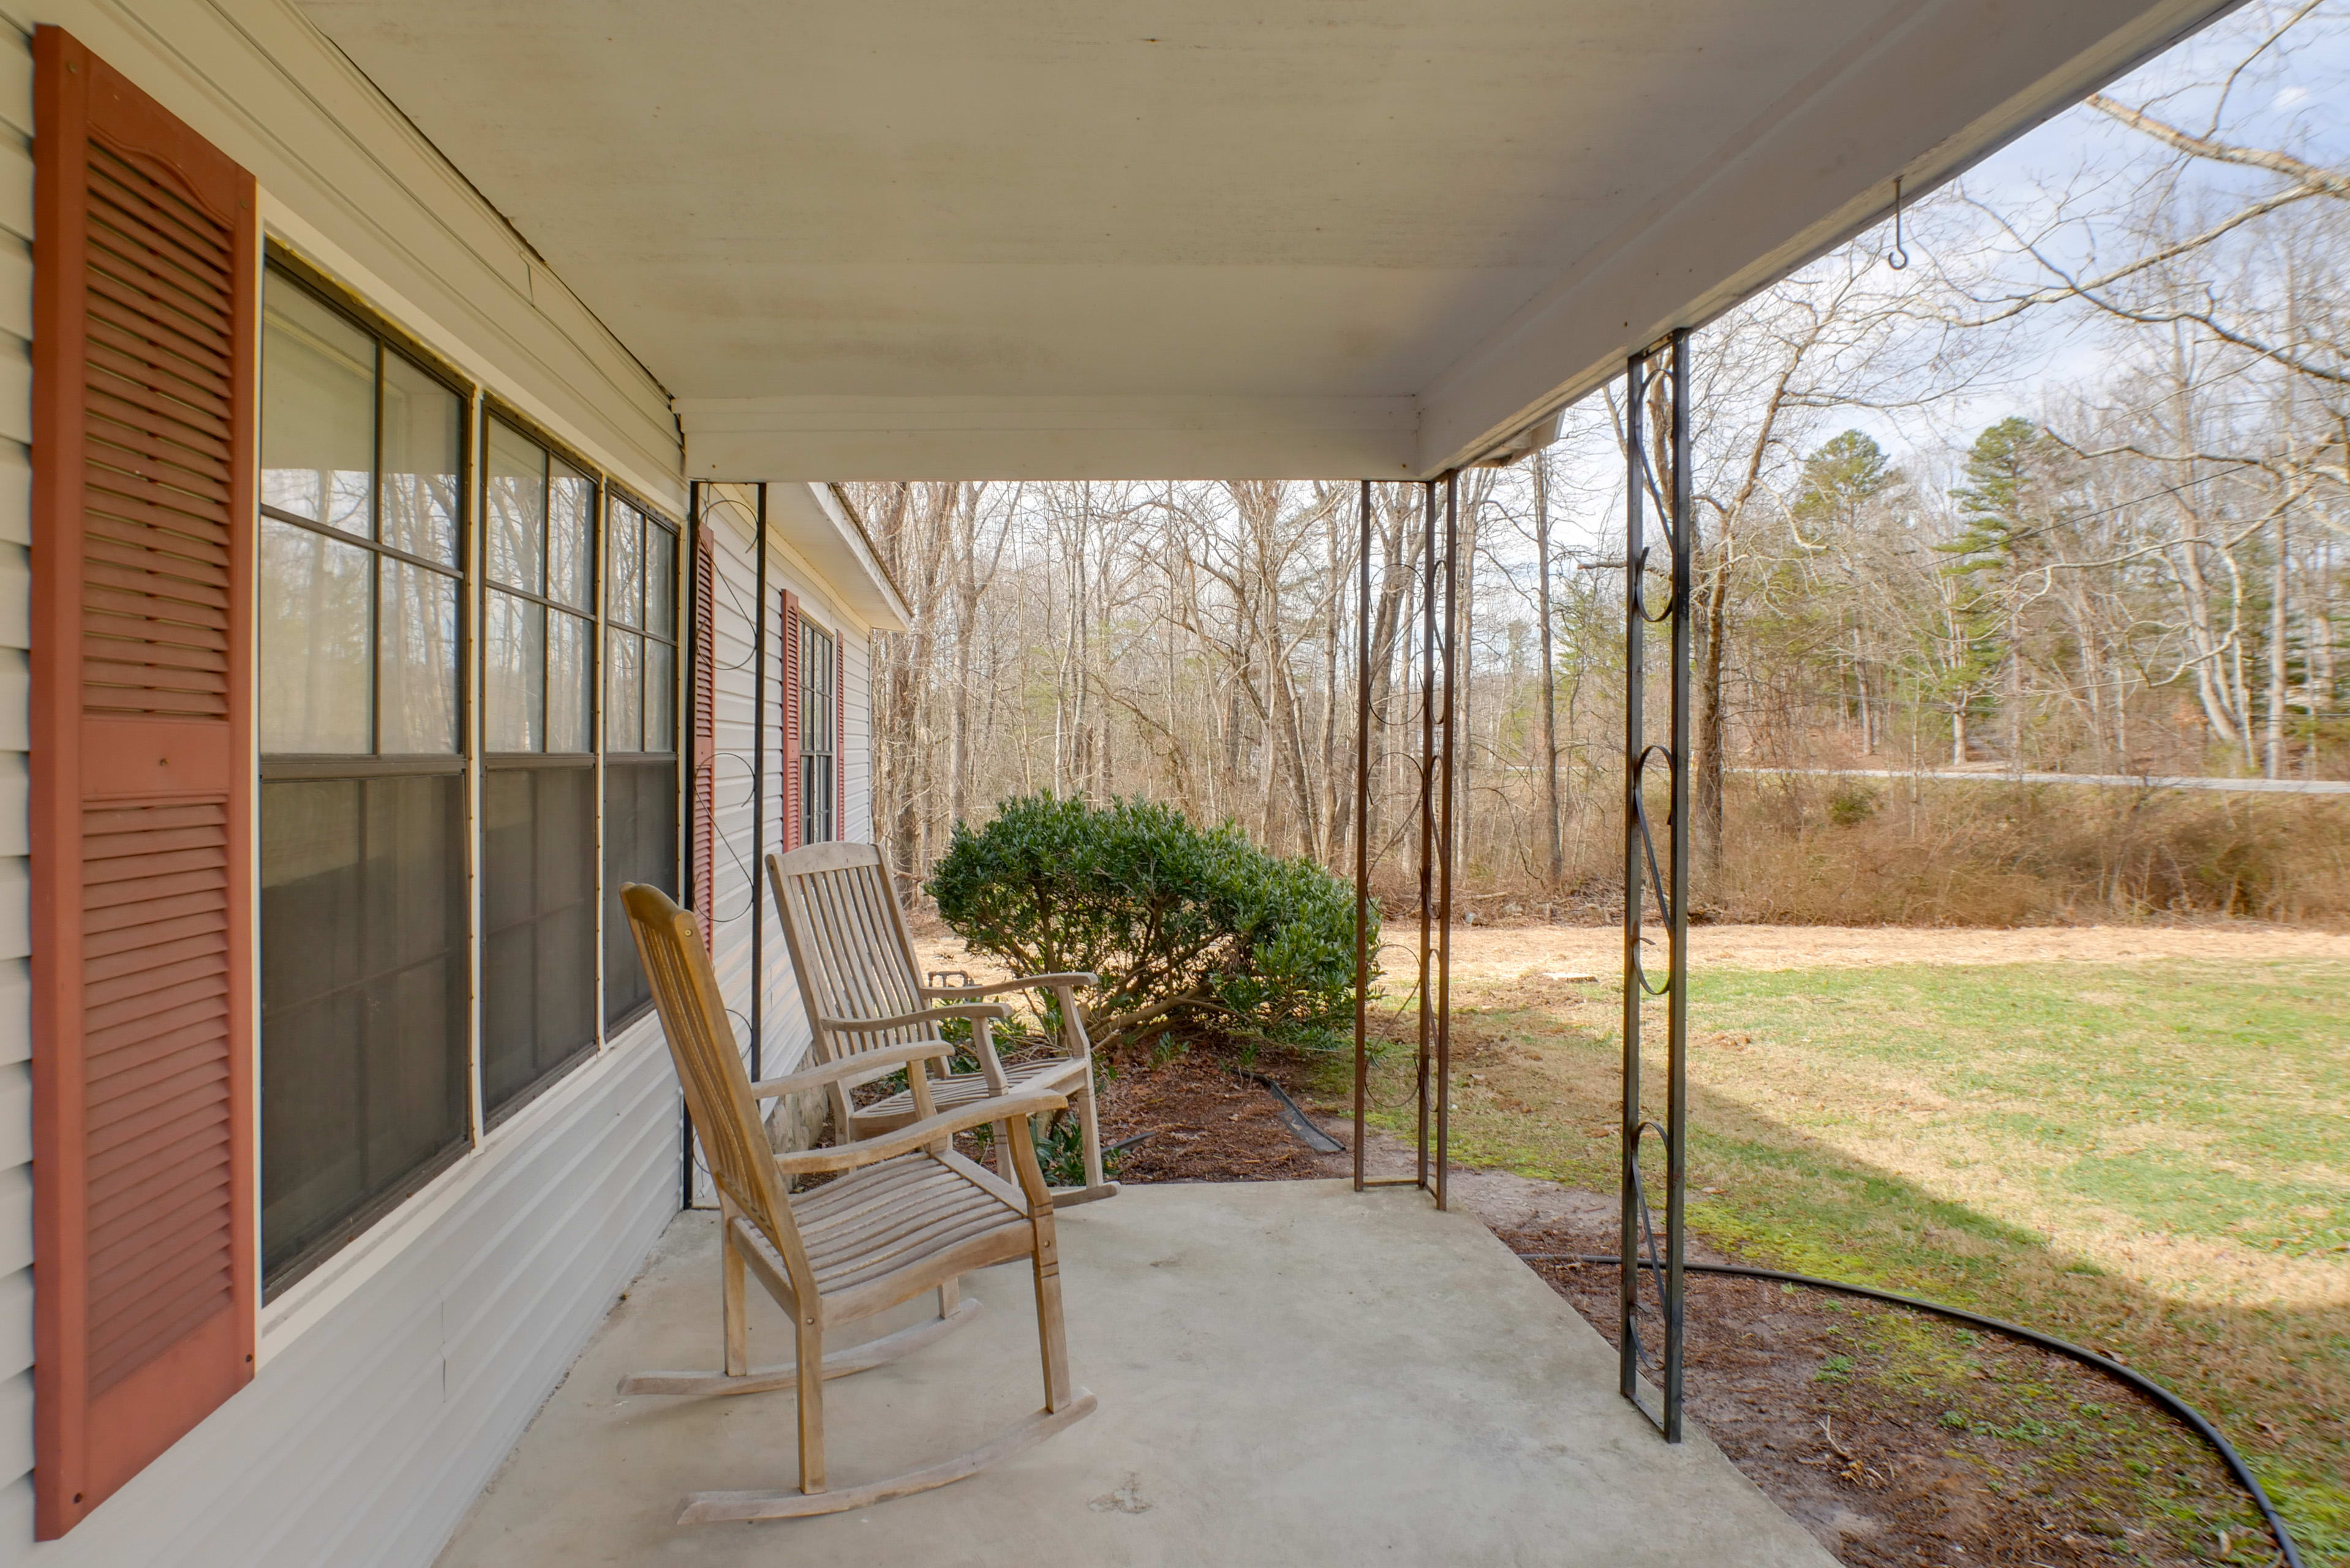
{"points": [[904, 1215], [855, 959]]}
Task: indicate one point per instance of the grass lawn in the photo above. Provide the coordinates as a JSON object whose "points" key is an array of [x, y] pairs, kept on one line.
{"points": [[2151, 1159]]}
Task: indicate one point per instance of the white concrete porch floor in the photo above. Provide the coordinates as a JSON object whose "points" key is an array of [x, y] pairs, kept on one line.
{"points": [[1289, 1373]]}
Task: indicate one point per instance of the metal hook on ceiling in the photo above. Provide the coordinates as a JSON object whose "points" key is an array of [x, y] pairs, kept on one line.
{"points": [[1897, 257]]}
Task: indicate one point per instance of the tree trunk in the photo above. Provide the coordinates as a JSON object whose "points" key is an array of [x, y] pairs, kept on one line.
{"points": [[1552, 808], [2274, 759], [1709, 723]]}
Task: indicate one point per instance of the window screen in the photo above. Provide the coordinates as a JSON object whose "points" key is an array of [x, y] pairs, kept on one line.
{"points": [[819, 742], [363, 908], [539, 828], [640, 842], [539, 926], [363, 1001]]}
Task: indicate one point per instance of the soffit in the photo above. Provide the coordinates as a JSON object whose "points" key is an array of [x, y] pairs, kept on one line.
{"points": [[875, 239]]}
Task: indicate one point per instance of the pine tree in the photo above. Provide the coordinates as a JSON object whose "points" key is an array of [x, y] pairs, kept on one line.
{"points": [[1843, 475]]}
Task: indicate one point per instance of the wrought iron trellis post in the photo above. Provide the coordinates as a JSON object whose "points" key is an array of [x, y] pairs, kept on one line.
{"points": [[1427, 811], [1435, 586], [690, 647], [759, 794], [1656, 468], [1362, 829], [1447, 836]]}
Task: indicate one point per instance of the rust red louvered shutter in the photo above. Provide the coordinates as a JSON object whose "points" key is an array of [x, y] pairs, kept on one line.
{"points": [[145, 284], [791, 724], [705, 730]]}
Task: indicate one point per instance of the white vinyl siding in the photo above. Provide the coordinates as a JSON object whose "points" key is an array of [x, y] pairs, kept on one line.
{"points": [[856, 735], [363, 1440]]}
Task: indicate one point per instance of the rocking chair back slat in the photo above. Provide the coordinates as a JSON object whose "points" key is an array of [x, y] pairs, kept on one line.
{"points": [[710, 1068], [854, 954]]}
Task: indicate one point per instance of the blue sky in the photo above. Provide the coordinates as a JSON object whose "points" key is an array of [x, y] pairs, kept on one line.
{"points": [[2294, 97]]}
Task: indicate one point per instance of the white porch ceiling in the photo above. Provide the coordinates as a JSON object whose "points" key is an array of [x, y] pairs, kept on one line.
{"points": [[1042, 238]]}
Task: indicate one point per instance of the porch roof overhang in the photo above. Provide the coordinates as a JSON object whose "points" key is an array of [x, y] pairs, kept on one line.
{"points": [[823, 529], [910, 239]]}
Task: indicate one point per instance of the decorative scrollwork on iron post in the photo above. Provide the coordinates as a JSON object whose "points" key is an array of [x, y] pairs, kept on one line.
{"points": [[1657, 477], [1425, 631]]}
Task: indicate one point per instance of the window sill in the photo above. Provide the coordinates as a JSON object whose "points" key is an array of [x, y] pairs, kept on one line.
{"points": [[335, 1279]]}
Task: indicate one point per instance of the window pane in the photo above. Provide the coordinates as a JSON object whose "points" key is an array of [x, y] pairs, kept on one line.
{"points": [[661, 697], [570, 684], [517, 509], [815, 691], [816, 799], [623, 704], [639, 846], [538, 901], [570, 536], [317, 410], [417, 660], [514, 674], [660, 580], [626, 601], [423, 421], [314, 641], [363, 1076]]}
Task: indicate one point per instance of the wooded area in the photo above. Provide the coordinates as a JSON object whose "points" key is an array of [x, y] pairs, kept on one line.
{"points": [[2065, 492]]}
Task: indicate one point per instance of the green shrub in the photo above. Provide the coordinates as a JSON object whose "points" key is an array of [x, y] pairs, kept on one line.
{"points": [[1186, 926]]}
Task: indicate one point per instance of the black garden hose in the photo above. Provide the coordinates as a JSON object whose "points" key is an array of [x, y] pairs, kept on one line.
{"points": [[1301, 1127], [2186, 1413]]}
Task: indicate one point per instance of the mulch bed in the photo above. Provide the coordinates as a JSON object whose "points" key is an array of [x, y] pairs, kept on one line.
{"points": [[2031, 1462], [1205, 1122]]}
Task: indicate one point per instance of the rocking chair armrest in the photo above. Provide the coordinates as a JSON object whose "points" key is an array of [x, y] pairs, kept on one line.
{"points": [[914, 1135], [818, 1076], [1025, 982], [906, 1020]]}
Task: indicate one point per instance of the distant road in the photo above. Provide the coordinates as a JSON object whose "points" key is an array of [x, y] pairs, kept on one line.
{"points": [[2111, 781]]}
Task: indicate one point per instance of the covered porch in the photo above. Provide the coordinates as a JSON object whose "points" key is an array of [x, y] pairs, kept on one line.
{"points": [[670, 260], [1289, 1371]]}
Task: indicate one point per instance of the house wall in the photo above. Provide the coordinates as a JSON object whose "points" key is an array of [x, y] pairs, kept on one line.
{"points": [[739, 894], [390, 1382]]}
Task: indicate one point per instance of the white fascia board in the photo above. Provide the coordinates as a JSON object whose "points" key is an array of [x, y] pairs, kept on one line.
{"points": [[987, 436], [813, 548], [810, 521], [1906, 99]]}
